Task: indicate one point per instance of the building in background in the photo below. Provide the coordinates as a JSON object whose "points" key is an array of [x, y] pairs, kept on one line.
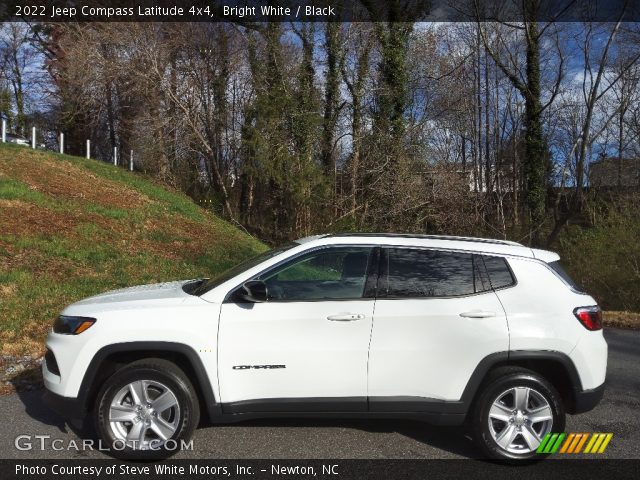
{"points": [[615, 172]]}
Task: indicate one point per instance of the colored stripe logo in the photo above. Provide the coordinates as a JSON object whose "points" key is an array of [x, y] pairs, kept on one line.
{"points": [[574, 443]]}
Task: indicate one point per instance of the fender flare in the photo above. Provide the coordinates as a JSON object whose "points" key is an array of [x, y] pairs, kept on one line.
{"points": [[508, 358], [87, 386]]}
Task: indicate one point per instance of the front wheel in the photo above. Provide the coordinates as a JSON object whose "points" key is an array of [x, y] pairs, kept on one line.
{"points": [[514, 412], [147, 410]]}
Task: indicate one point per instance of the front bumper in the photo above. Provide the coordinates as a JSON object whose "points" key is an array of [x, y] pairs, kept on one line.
{"points": [[587, 400], [67, 407]]}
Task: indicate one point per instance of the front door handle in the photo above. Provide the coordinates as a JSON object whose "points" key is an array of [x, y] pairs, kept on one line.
{"points": [[345, 317], [478, 314]]}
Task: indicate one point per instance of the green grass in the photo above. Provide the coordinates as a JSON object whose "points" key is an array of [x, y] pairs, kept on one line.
{"points": [[108, 212], [172, 201], [84, 237], [11, 189]]}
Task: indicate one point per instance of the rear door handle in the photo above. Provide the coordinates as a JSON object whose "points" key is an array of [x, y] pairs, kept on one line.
{"points": [[478, 314], [345, 317]]}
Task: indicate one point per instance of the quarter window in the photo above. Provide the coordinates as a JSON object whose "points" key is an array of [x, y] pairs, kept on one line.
{"points": [[499, 272], [419, 273], [564, 275]]}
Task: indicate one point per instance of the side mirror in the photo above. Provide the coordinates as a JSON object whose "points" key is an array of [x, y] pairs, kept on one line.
{"points": [[254, 291]]}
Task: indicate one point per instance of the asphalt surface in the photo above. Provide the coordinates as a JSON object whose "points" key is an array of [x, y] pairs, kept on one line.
{"points": [[619, 413]]}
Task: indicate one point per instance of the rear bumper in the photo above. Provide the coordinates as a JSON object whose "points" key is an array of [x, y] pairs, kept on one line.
{"points": [[67, 407], [587, 400]]}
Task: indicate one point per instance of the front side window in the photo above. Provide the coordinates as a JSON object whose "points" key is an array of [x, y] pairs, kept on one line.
{"points": [[327, 274], [201, 287], [415, 273]]}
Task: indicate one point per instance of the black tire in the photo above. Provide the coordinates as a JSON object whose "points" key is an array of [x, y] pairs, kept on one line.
{"points": [[499, 382], [184, 417]]}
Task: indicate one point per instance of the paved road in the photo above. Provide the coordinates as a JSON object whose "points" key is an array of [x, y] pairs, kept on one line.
{"points": [[619, 413]]}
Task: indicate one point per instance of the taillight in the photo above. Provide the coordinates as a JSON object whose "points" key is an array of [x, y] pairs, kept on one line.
{"points": [[590, 317]]}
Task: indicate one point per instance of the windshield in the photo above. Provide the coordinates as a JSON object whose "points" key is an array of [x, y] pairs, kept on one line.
{"points": [[211, 283]]}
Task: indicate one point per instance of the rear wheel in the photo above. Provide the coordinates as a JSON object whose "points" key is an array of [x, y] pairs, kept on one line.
{"points": [[146, 409], [514, 411]]}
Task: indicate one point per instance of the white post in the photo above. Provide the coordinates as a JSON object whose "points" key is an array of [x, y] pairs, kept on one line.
{"points": [[4, 130], [33, 137], [131, 161], [115, 155], [61, 142], [88, 149]]}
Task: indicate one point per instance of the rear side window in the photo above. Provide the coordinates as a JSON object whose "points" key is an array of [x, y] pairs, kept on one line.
{"points": [[564, 275], [481, 277], [498, 271], [415, 273]]}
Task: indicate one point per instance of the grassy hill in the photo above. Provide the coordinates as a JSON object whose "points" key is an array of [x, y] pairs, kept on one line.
{"points": [[71, 227]]}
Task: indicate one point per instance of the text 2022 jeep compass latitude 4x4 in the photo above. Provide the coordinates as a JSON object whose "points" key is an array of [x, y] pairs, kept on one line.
{"points": [[442, 329]]}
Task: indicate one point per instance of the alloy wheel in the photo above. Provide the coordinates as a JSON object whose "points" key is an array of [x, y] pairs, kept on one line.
{"points": [[144, 414], [519, 418]]}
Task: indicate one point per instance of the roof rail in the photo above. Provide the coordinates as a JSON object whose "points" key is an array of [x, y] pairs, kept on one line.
{"points": [[428, 237]]}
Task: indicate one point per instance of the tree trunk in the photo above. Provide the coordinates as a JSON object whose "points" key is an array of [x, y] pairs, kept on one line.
{"points": [[534, 140], [331, 96], [18, 90], [356, 89]]}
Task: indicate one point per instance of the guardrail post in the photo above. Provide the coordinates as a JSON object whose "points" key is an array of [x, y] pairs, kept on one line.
{"points": [[88, 149], [4, 131], [131, 161], [33, 138], [61, 142], [115, 155]]}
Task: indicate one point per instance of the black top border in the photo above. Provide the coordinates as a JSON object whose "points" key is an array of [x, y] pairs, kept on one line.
{"points": [[259, 11]]}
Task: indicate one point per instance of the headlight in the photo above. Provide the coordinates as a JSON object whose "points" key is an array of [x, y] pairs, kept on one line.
{"points": [[72, 325]]}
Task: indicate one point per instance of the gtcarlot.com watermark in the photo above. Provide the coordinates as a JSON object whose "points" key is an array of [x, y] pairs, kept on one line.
{"points": [[46, 443]]}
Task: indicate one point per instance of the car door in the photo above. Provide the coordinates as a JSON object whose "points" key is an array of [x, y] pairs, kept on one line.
{"points": [[305, 348], [436, 318]]}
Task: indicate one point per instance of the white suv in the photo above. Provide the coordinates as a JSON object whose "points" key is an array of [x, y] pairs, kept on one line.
{"points": [[442, 329]]}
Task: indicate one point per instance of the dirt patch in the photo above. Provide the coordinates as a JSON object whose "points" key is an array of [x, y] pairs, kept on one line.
{"points": [[20, 373], [8, 290], [169, 237], [28, 342], [66, 180], [26, 219], [131, 237], [200, 235], [630, 320]]}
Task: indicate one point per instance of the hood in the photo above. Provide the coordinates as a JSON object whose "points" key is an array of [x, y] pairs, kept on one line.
{"points": [[140, 293]]}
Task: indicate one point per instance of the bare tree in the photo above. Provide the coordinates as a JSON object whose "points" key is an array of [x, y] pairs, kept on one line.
{"points": [[355, 73], [16, 59], [500, 43], [596, 83]]}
